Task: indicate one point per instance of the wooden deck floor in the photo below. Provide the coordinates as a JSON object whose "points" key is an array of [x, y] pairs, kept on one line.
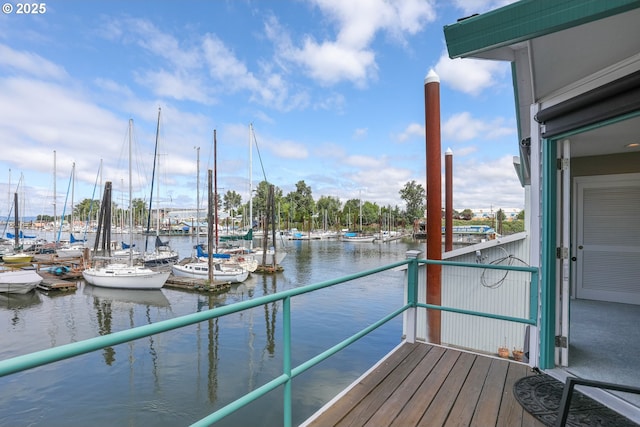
{"points": [[424, 385]]}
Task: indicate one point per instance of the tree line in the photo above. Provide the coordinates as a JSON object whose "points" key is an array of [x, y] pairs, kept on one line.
{"points": [[299, 209]]}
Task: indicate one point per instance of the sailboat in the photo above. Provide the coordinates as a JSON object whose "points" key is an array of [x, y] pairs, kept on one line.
{"points": [[18, 281], [358, 237], [19, 257], [271, 257], [74, 248], [162, 253], [212, 269], [121, 275]]}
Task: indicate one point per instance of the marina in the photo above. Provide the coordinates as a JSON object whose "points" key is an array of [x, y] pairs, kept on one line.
{"points": [[176, 378], [495, 327]]}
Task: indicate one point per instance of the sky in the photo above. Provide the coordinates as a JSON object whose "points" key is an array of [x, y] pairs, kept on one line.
{"points": [[333, 89]]}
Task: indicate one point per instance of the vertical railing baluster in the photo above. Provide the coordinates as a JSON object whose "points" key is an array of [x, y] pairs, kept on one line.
{"points": [[286, 360], [411, 314]]}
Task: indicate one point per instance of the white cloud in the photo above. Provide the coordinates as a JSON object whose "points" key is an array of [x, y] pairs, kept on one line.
{"points": [[349, 55], [471, 76], [175, 85], [201, 69], [362, 161], [285, 149], [360, 133], [330, 63], [490, 183], [470, 7], [413, 130], [29, 63], [378, 185], [464, 127]]}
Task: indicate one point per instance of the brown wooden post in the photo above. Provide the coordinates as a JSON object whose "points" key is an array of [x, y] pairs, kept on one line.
{"points": [[448, 209], [434, 202]]}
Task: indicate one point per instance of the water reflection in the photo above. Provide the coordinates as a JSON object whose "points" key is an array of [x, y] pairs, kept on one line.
{"points": [[180, 376], [18, 302], [104, 300], [270, 314], [149, 298], [212, 338]]}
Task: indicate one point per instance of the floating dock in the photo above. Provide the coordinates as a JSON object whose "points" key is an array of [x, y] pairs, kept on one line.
{"points": [[59, 283], [195, 285]]}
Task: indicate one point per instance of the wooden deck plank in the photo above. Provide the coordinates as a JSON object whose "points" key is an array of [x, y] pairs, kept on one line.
{"points": [[384, 388], [488, 407], [427, 391], [397, 402], [511, 411], [421, 384], [438, 411], [345, 404], [467, 400]]}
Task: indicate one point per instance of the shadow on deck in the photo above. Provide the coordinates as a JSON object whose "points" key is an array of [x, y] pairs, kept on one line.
{"points": [[421, 384]]}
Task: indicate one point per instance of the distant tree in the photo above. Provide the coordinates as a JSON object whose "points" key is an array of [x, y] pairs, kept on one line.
{"points": [[231, 201], [302, 203], [260, 198], [330, 205], [500, 217], [414, 196], [520, 215], [140, 211], [350, 213], [466, 214], [370, 213], [87, 207]]}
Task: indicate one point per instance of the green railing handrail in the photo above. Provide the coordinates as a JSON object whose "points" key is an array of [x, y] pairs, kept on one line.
{"points": [[533, 292], [43, 357]]}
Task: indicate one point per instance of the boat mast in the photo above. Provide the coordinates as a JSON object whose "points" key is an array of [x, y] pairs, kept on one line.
{"points": [[360, 203], [197, 195], [130, 198], [153, 175], [73, 187], [215, 186], [16, 222], [250, 184], [54, 191]]}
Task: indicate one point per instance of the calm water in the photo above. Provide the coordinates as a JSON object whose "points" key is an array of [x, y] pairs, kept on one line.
{"points": [[178, 377]]}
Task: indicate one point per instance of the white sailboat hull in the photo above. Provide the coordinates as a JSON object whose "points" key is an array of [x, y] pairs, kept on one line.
{"points": [[200, 270], [19, 281], [358, 239], [122, 276]]}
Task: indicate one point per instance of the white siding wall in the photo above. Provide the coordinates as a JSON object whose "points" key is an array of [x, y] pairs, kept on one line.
{"points": [[482, 290]]}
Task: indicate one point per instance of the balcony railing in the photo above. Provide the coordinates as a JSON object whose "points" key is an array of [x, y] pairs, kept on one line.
{"points": [[52, 355]]}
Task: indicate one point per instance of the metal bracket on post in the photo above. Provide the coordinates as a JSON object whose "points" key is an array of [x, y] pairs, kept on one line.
{"points": [[561, 341]]}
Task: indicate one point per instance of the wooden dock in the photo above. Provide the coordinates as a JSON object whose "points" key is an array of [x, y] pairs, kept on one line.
{"points": [[426, 385], [196, 285], [66, 282]]}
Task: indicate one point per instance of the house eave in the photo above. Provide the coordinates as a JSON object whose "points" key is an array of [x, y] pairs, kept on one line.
{"points": [[525, 20]]}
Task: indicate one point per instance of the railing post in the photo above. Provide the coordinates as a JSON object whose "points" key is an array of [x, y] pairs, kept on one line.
{"points": [[286, 360], [410, 316]]}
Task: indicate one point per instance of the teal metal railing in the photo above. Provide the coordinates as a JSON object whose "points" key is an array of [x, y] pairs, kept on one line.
{"points": [[44, 357], [533, 291]]}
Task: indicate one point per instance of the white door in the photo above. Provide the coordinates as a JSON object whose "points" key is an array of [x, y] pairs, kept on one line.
{"points": [[607, 247]]}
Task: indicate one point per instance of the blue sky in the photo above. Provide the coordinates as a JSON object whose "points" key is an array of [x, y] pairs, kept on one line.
{"points": [[333, 88]]}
